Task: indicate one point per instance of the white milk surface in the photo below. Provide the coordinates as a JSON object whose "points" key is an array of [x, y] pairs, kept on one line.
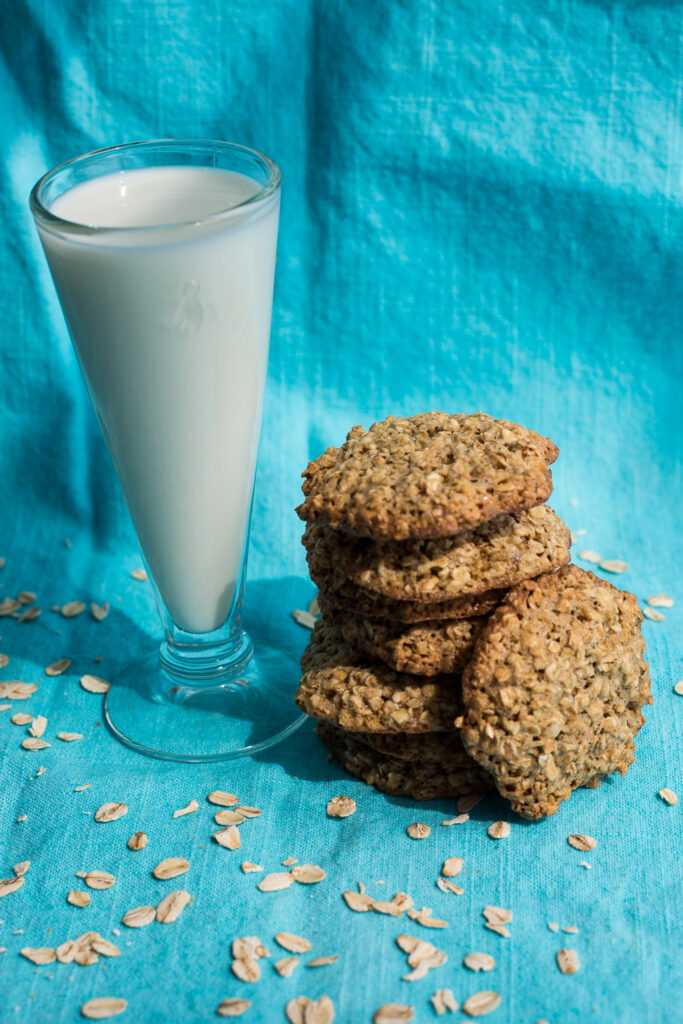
{"points": [[171, 328]]}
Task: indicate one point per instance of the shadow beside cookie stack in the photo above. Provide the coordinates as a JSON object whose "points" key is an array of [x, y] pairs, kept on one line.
{"points": [[417, 530]]}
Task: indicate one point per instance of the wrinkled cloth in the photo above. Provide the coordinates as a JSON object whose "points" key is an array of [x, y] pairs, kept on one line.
{"points": [[482, 208]]}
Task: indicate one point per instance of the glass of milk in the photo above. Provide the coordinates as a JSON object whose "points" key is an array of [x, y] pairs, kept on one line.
{"points": [[163, 257]]}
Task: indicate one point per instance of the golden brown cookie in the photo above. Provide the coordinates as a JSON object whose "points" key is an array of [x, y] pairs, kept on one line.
{"points": [[421, 780], [554, 690], [336, 591], [351, 690], [445, 747], [430, 475], [494, 556], [422, 648]]}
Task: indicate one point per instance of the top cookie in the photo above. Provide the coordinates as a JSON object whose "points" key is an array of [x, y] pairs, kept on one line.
{"points": [[427, 476], [554, 689]]}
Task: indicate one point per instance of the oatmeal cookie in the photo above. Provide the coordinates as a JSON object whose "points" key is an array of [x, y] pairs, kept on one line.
{"points": [[421, 780], [430, 475], [554, 690], [351, 690], [424, 648], [496, 555], [336, 591]]}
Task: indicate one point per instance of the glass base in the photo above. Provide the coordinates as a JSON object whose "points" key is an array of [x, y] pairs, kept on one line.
{"points": [[217, 714]]}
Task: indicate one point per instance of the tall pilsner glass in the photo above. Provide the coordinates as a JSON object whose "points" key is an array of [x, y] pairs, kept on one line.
{"points": [[163, 257]]}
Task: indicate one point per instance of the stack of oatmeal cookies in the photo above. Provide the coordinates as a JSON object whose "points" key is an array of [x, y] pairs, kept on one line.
{"points": [[454, 652]]}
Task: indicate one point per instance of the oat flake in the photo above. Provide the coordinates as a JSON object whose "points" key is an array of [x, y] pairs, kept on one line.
{"points": [[139, 917], [233, 1007], [139, 574], [653, 615], [69, 737], [78, 899], [443, 1000], [292, 943], [110, 812], [31, 743], [218, 796], [171, 867], [72, 608], [358, 901], [450, 887], [57, 668], [275, 881], [393, 1013], [138, 841], [499, 830], [286, 967], [323, 961], [172, 906], [481, 1003], [678, 688], [99, 611], [660, 601], [418, 830], [228, 838], [93, 684], [103, 1007], [452, 867], [590, 556], [99, 880], [567, 961], [303, 618], [341, 807], [307, 874], [43, 955], [668, 796], [15, 690], [580, 842], [613, 565], [247, 867], [479, 962], [21, 868]]}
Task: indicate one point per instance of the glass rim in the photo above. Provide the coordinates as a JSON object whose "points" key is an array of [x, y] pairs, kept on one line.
{"points": [[51, 221]]}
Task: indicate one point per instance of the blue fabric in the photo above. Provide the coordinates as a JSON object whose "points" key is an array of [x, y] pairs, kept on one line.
{"points": [[482, 208]]}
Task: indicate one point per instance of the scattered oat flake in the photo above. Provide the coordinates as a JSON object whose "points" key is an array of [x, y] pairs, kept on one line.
{"points": [[110, 812], [571, 929], [5, 707], [288, 861], [447, 886], [189, 809], [72, 608], [77, 898], [172, 906], [139, 574], [452, 867], [553, 926], [245, 969], [218, 796], [21, 868], [678, 688], [459, 820], [38, 725], [33, 743], [275, 881], [580, 842], [93, 684], [26, 597], [228, 837], [585, 864], [341, 807], [590, 556], [79, 789], [292, 943], [22, 817], [613, 565], [442, 1000], [668, 796], [303, 618], [21, 718], [104, 947], [228, 817], [286, 966], [103, 1007], [99, 880], [57, 668], [358, 901], [69, 737], [138, 841], [653, 615], [567, 961], [8, 606], [499, 929], [233, 1007], [479, 962], [660, 601], [578, 533], [15, 690], [302, 1010], [393, 1013], [43, 955], [418, 830], [40, 770], [499, 830], [323, 961], [247, 867], [497, 915], [10, 885], [29, 615], [307, 874], [99, 611], [481, 1003], [171, 867], [139, 917], [248, 812]]}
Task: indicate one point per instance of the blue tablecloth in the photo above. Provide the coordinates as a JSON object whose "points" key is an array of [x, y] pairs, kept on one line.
{"points": [[482, 209]]}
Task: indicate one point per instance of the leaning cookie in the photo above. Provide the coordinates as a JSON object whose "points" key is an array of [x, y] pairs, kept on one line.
{"points": [[430, 475], [422, 648], [554, 690], [362, 695], [426, 780], [494, 556], [445, 747], [336, 591]]}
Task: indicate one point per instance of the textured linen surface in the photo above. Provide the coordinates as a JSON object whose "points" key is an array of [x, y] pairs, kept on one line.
{"points": [[482, 209]]}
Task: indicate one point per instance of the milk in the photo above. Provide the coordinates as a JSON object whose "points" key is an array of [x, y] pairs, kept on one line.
{"points": [[171, 327]]}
